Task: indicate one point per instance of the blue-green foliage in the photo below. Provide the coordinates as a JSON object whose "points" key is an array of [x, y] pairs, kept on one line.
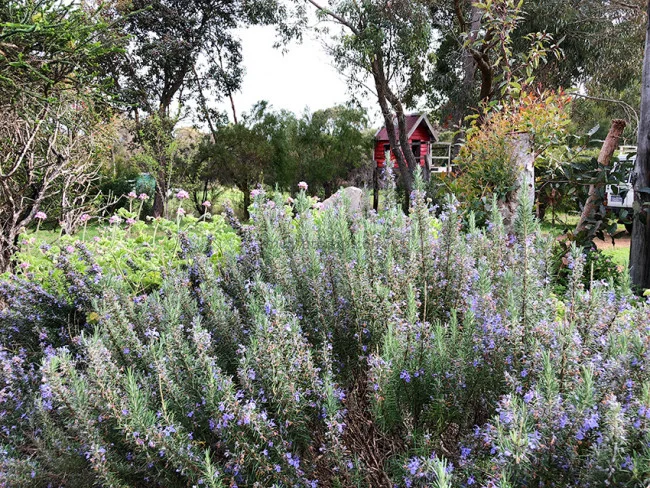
{"points": [[334, 349]]}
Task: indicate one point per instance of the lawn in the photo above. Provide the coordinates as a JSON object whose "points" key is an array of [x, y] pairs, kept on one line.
{"points": [[620, 255], [565, 222]]}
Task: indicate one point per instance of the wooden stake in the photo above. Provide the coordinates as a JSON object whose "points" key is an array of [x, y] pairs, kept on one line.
{"points": [[605, 156]]}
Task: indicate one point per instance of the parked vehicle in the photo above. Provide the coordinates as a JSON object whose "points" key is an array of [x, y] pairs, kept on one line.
{"points": [[619, 197]]}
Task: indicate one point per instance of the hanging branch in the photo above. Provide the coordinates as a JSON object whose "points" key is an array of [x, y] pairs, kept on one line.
{"points": [[629, 110]]}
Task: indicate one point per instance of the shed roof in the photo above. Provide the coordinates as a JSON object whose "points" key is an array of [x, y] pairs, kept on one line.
{"points": [[413, 121]]}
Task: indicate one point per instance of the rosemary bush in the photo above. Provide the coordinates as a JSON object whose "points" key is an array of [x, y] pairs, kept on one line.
{"points": [[334, 349]]}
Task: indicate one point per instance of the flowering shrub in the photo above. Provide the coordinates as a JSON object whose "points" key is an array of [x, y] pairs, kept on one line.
{"points": [[334, 349], [128, 247], [486, 164]]}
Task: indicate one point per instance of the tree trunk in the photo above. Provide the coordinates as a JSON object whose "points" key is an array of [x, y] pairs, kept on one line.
{"points": [[606, 152], [464, 100], [382, 95], [542, 205], [247, 199], [640, 246], [327, 188], [375, 189], [6, 252], [8, 246], [521, 144], [5, 260], [160, 198]]}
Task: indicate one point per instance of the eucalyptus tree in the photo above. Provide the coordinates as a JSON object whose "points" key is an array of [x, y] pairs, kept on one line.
{"points": [[280, 129], [389, 43], [182, 50], [589, 35], [240, 156]]}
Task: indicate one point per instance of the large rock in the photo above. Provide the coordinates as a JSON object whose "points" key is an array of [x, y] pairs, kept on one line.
{"points": [[353, 194]]}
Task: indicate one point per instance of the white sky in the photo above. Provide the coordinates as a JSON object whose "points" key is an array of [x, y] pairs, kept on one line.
{"points": [[301, 77]]}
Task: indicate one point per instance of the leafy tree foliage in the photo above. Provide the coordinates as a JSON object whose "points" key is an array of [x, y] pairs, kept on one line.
{"points": [[331, 143], [276, 148], [593, 35], [240, 156], [53, 96], [280, 128], [457, 53]]}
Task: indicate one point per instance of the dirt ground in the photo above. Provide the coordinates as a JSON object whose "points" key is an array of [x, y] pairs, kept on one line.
{"points": [[621, 241]]}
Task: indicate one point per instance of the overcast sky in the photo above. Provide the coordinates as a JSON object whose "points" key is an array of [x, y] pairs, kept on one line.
{"points": [[302, 77]]}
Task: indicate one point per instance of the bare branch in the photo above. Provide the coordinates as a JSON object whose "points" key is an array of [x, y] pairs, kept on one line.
{"points": [[630, 6], [628, 108], [335, 16]]}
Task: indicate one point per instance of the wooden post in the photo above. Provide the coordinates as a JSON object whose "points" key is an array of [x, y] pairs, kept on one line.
{"points": [[605, 156], [640, 246], [521, 154], [521, 145]]}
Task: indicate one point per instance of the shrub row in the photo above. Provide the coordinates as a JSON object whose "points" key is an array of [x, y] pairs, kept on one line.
{"points": [[333, 349]]}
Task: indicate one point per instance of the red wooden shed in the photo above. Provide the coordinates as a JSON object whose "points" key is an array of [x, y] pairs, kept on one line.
{"points": [[421, 135]]}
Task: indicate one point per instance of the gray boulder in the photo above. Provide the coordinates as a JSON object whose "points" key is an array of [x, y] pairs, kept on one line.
{"points": [[351, 193]]}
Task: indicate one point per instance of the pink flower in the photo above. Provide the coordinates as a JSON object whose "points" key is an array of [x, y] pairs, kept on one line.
{"points": [[143, 196], [318, 205], [290, 200], [256, 192], [114, 220], [180, 212], [132, 195], [84, 218], [182, 195], [96, 239], [206, 204], [69, 249], [303, 186], [270, 204], [40, 216], [23, 265], [130, 221]]}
